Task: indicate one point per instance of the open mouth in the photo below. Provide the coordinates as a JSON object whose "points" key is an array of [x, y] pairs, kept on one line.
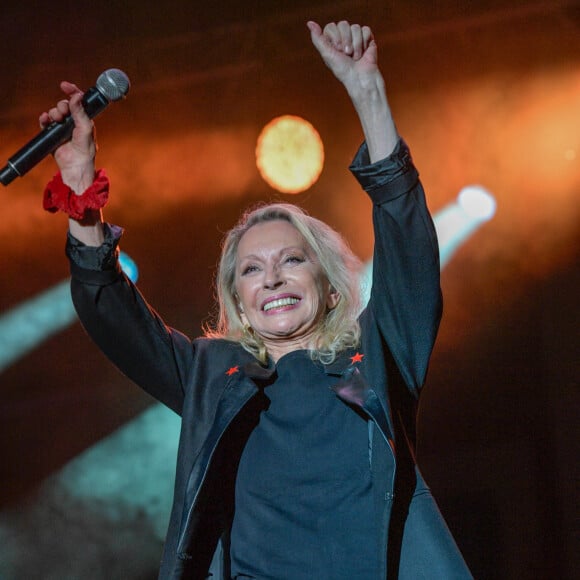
{"points": [[280, 303]]}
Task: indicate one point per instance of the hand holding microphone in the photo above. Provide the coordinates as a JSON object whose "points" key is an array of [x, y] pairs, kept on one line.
{"points": [[59, 125], [76, 157]]}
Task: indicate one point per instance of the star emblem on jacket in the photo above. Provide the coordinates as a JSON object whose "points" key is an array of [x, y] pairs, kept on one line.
{"points": [[356, 358], [233, 370]]}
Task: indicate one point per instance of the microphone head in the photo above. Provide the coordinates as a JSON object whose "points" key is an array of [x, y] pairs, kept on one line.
{"points": [[113, 84]]}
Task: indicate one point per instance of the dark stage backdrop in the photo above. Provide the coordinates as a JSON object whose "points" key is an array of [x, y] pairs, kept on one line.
{"points": [[484, 92]]}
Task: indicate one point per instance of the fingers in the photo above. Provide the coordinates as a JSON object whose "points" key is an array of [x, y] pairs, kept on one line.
{"points": [[56, 114], [71, 106], [350, 39], [357, 41], [345, 37], [69, 88], [367, 36]]}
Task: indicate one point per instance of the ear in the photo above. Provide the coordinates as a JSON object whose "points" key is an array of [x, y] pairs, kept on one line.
{"points": [[332, 298]]}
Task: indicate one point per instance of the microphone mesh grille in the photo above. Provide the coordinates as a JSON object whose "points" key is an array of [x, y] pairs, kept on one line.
{"points": [[114, 84]]}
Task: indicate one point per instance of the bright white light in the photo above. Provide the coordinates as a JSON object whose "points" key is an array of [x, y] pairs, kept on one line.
{"points": [[477, 202], [454, 224]]}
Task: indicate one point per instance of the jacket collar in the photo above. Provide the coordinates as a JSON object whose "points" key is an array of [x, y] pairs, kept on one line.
{"points": [[342, 364], [257, 371], [351, 386]]}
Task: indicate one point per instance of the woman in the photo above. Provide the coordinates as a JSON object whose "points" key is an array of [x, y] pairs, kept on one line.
{"points": [[292, 408]]}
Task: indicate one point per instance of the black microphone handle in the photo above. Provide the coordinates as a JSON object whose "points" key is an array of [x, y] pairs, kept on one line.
{"points": [[50, 139]]}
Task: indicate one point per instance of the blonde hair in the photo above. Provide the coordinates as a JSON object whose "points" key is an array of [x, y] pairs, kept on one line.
{"points": [[339, 328]]}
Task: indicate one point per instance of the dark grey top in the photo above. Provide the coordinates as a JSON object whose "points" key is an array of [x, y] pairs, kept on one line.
{"points": [[303, 503]]}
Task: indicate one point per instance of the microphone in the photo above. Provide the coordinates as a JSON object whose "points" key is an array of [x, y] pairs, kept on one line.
{"points": [[112, 85]]}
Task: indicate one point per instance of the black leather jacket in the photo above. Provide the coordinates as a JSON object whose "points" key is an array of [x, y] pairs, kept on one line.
{"points": [[399, 326]]}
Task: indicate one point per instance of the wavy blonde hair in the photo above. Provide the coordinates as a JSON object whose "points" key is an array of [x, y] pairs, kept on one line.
{"points": [[339, 328]]}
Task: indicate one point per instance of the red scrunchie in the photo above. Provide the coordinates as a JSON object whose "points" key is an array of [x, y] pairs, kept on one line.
{"points": [[60, 197]]}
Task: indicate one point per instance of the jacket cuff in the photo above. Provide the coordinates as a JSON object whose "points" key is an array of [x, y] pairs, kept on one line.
{"points": [[387, 178], [95, 265]]}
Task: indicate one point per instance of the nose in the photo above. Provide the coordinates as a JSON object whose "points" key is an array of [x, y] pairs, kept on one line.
{"points": [[273, 278]]}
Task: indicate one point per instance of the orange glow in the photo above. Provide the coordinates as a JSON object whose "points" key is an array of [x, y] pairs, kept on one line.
{"points": [[289, 154]]}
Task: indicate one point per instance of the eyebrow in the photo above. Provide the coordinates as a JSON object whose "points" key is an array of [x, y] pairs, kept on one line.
{"points": [[309, 255], [282, 251]]}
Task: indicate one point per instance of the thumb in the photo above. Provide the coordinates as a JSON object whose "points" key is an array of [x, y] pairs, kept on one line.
{"points": [[318, 39], [75, 97], [372, 52], [77, 111]]}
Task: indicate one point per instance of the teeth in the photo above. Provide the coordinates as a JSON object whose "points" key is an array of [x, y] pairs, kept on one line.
{"points": [[280, 302]]}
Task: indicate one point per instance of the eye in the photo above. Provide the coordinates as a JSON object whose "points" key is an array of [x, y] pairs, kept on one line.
{"points": [[293, 259], [249, 269]]}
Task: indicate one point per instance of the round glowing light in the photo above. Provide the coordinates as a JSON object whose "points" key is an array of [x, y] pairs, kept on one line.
{"points": [[477, 202], [289, 154]]}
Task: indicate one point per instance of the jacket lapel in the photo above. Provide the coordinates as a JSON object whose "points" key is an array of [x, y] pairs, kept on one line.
{"points": [[354, 389]]}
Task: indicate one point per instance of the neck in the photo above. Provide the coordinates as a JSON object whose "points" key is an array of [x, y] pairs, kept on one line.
{"points": [[276, 350]]}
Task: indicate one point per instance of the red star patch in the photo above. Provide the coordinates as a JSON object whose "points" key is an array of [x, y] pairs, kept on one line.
{"points": [[232, 371], [356, 358]]}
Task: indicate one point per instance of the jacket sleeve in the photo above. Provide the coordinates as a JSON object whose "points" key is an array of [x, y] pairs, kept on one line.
{"points": [[405, 296], [128, 331]]}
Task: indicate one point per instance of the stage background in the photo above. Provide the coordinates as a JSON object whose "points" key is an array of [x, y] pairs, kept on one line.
{"points": [[484, 92]]}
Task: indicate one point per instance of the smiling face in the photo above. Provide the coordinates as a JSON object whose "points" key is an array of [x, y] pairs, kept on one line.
{"points": [[282, 290]]}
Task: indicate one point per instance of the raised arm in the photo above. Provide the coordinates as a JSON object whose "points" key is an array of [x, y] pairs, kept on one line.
{"points": [[113, 312], [405, 300], [350, 52], [76, 160]]}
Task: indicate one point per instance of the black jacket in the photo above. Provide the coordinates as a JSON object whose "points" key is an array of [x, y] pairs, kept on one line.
{"points": [[211, 383]]}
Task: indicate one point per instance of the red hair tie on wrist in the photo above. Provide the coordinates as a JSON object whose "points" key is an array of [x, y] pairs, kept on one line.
{"points": [[60, 197]]}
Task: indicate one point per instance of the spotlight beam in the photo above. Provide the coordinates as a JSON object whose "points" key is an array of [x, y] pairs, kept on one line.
{"points": [[26, 326], [23, 328], [454, 225]]}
